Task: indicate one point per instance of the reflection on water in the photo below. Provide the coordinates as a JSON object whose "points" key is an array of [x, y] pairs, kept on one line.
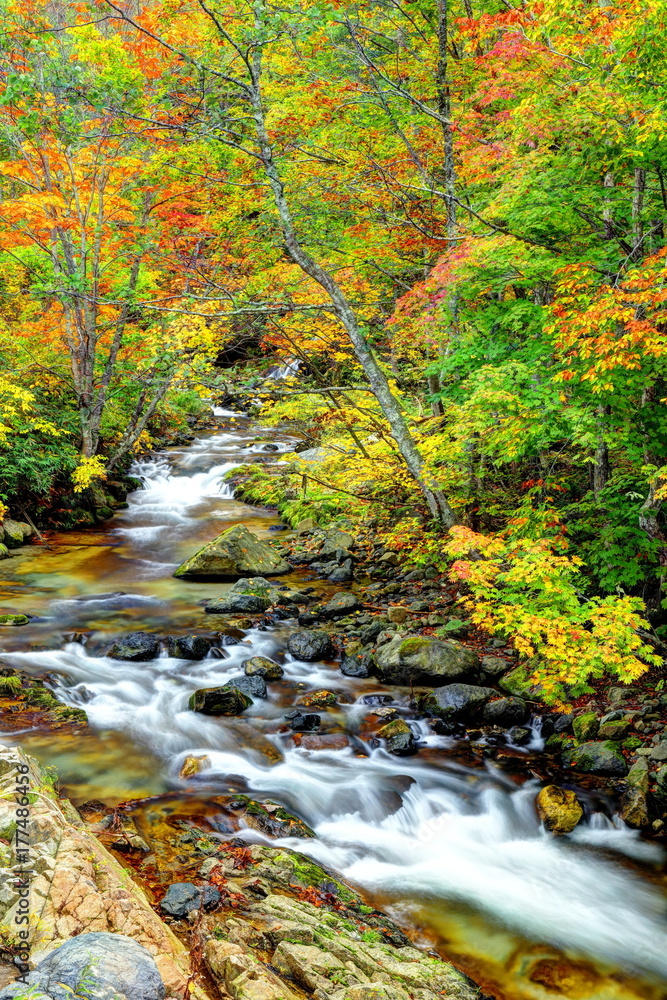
{"points": [[457, 849]]}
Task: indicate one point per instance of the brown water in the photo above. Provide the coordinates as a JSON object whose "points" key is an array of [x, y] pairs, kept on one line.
{"points": [[450, 843]]}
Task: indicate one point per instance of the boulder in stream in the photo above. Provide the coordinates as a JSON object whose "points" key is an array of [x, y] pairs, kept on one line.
{"points": [[187, 647], [309, 645], [183, 897], [262, 666], [225, 700], [596, 758], [506, 712], [137, 647], [455, 701], [238, 604], [420, 660], [558, 808], [252, 685], [112, 966], [341, 604], [235, 552]]}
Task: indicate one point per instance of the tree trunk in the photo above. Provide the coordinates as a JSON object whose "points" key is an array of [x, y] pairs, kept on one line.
{"points": [[445, 112], [637, 214], [437, 503]]}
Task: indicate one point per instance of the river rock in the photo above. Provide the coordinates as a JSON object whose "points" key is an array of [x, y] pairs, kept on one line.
{"points": [[455, 701], [343, 573], [317, 699], [235, 552], [136, 647], [341, 604], [506, 712], [397, 614], [194, 765], [309, 645], [4, 551], [336, 540], [494, 666], [267, 817], [634, 809], [420, 660], [659, 752], [558, 808], [15, 533], [183, 897], [357, 665], [252, 685], [113, 966], [238, 604], [399, 739], [301, 723], [638, 775], [187, 647], [585, 726], [263, 667], [596, 758], [225, 700]]}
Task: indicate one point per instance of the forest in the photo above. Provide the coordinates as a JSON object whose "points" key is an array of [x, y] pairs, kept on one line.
{"points": [[409, 259]]}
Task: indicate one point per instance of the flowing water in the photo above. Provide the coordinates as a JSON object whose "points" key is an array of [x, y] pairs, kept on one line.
{"points": [[455, 851]]}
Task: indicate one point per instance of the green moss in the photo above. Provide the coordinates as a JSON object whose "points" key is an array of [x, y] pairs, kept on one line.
{"points": [[632, 743], [371, 937], [10, 684], [585, 726], [411, 646], [365, 909], [309, 873], [14, 620]]}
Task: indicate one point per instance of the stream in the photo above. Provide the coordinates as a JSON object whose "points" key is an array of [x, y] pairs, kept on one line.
{"points": [[455, 853]]}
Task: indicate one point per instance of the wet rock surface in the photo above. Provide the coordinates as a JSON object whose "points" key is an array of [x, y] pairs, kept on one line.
{"points": [[136, 647], [421, 660], [233, 553]]}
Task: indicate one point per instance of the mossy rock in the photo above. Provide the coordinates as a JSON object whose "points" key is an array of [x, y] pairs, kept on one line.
{"points": [[4, 551], [597, 758], [103, 513], [518, 682], [14, 619], [585, 726]]}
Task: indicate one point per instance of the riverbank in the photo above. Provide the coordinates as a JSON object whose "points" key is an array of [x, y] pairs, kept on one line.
{"points": [[447, 838]]}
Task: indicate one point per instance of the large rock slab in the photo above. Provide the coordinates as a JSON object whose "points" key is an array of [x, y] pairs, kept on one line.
{"points": [[113, 967], [78, 886], [596, 758], [420, 660], [236, 552]]}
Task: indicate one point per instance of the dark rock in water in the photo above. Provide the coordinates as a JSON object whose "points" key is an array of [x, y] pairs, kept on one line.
{"points": [[420, 660], [261, 666], [308, 618], [520, 735], [230, 637], [309, 645], [303, 723], [376, 699], [247, 604], [358, 665], [402, 745], [506, 712], [444, 727], [117, 968], [343, 573], [455, 701], [251, 685], [219, 701], [182, 897], [187, 647], [342, 603], [136, 647], [596, 758], [235, 552]]}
